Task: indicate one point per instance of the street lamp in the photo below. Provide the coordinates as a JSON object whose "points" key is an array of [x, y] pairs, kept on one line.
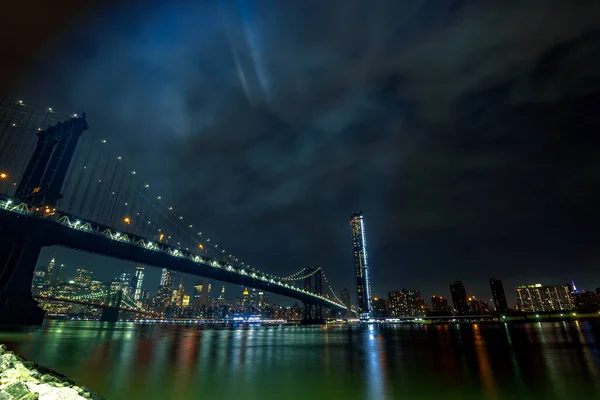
{"points": [[127, 220], [3, 175]]}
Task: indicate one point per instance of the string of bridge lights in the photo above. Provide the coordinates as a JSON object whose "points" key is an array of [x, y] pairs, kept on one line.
{"points": [[292, 277], [331, 289], [177, 218], [207, 241]]}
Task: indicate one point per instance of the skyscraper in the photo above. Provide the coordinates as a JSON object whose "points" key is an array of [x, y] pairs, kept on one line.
{"points": [[345, 297], [83, 279], [498, 295], [363, 281], [125, 279], [459, 298], [136, 284]]}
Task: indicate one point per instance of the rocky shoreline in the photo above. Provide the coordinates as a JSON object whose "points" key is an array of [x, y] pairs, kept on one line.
{"points": [[25, 380]]}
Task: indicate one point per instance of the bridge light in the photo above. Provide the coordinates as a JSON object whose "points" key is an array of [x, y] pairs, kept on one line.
{"points": [[77, 222], [146, 186], [132, 172], [201, 247], [50, 109], [127, 220], [103, 141], [118, 157], [21, 102]]}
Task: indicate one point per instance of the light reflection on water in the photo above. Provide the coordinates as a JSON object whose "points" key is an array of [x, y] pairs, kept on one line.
{"points": [[129, 361]]}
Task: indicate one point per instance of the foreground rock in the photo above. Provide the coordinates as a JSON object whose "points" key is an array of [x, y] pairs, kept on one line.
{"points": [[25, 380]]}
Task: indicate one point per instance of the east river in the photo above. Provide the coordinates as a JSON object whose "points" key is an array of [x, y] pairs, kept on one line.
{"points": [[485, 361]]}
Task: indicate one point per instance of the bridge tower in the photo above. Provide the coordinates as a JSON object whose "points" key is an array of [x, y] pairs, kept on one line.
{"points": [[46, 171], [313, 314], [110, 311], [21, 241]]}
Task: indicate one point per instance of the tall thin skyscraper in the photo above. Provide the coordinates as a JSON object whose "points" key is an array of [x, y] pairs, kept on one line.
{"points": [[459, 298], [498, 295], [138, 280], [363, 281], [125, 279]]}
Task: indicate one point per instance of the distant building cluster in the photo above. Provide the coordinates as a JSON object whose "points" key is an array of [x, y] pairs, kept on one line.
{"points": [[408, 303], [50, 285]]}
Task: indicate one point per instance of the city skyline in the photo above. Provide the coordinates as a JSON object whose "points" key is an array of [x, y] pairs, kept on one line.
{"points": [[190, 281]]}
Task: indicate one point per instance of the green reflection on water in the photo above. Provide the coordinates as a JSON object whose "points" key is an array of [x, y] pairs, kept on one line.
{"points": [[129, 361]]}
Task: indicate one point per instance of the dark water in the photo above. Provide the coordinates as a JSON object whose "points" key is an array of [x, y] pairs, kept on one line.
{"points": [[128, 361]]}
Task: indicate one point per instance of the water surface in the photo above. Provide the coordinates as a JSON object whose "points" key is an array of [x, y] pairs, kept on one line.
{"points": [[485, 361]]}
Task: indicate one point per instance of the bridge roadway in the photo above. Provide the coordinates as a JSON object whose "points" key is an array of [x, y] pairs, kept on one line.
{"points": [[102, 241]]}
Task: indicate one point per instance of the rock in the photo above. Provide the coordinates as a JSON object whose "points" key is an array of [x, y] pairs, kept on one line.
{"points": [[10, 358], [47, 392], [26, 380], [19, 373], [16, 391]]}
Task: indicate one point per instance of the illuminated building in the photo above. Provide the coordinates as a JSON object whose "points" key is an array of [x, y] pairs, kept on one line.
{"points": [[379, 307], [186, 300], [405, 303], [38, 283], [83, 278], [52, 275], [459, 298], [439, 304], [197, 295], [164, 295], [499, 296], [167, 277], [538, 298], [125, 279], [138, 280], [477, 307], [359, 249], [245, 302]]}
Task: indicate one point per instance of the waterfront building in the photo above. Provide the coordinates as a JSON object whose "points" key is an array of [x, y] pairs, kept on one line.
{"points": [[405, 303], [186, 300], [379, 307], [361, 265], [499, 296], [459, 298], [439, 304], [477, 307], [539, 298], [137, 282]]}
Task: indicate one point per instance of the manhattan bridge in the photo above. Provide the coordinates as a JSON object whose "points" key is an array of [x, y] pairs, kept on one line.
{"points": [[61, 186]]}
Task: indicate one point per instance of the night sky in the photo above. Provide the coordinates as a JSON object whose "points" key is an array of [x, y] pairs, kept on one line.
{"points": [[466, 131]]}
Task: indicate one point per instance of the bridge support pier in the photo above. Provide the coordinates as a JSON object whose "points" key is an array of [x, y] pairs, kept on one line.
{"points": [[18, 257], [109, 314]]}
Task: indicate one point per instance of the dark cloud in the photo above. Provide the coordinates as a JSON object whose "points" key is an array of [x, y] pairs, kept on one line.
{"points": [[464, 130]]}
